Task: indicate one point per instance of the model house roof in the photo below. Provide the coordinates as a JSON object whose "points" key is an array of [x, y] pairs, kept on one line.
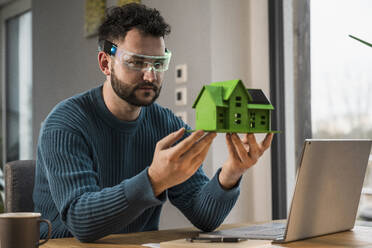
{"points": [[228, 87], [220, 93], [216, 94]]}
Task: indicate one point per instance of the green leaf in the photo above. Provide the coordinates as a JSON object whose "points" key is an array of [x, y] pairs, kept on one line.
{"points": [[364, 42]]}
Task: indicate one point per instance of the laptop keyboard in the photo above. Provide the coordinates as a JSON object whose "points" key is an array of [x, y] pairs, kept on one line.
{"points": [[270, 231]]}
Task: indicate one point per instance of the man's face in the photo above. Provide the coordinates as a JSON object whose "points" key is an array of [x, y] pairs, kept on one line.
{"points": [[138, 88]]}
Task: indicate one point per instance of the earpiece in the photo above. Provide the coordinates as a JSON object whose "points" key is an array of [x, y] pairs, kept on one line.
{"points": [[113, 50], [108, 47]]}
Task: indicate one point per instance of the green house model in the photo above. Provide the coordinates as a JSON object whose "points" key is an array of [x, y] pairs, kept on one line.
{"points": [[229, 107]]}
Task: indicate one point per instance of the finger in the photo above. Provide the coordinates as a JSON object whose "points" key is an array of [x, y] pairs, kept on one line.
{"points": [[197, 148], [245, 142], [241, 151], [254, 149], [230, 147], [169, 140], [197, 161], [186, 144], [203, 144], [265, 144]]}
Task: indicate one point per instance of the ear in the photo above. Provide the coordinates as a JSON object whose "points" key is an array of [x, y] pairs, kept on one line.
{"points": [[104, 63]]}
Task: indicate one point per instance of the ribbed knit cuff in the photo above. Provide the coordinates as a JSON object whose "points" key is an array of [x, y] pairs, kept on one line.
{"points": [[218, 193], [138, 191]]}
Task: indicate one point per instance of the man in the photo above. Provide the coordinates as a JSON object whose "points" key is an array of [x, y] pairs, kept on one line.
{"points": [[108, 158]]}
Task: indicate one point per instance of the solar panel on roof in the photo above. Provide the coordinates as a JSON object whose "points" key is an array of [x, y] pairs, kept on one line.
{"points": [[258, 96]]}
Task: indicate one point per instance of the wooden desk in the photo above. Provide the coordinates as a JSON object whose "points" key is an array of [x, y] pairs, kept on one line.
{"points": [[358, 237]]}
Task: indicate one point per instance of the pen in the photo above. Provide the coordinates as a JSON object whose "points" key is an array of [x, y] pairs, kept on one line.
{"points": [[214, 239]]}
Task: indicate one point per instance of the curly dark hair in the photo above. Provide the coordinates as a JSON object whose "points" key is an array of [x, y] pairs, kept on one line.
{"points": [[119, 20]]}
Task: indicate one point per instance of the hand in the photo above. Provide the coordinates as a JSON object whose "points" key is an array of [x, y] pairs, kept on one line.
{"points": [[174, 165], [243, 154]]}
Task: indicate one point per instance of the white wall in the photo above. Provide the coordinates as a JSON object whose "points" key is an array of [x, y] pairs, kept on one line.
{"points": [[217, 39], [64, 61], [239, 42]]}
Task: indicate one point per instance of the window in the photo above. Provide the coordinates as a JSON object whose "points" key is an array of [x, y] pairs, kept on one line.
{"points": [[341, 72], [237, 118], [16, 41]]}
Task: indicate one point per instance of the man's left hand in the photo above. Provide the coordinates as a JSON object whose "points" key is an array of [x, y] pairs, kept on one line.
{"points": [[243, 154]]}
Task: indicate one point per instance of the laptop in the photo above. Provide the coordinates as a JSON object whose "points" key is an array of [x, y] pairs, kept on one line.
{"points": [[326, 195]]}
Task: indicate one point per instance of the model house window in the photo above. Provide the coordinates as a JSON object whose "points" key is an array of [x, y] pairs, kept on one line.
{"points": [[253, 116], [238, 103], [221, 120], [237, 118]]}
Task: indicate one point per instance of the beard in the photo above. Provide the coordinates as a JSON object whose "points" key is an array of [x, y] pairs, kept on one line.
{"points": [[128, 93]]}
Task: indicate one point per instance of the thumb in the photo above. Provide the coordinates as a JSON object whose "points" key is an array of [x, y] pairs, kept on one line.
{"points": [[169, 140]]}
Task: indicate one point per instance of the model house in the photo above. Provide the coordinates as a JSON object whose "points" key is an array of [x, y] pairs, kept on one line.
{"points": [[229, 107]]}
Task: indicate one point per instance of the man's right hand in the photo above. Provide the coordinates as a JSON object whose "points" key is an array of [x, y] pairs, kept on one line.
{"points": [[174, 165]]}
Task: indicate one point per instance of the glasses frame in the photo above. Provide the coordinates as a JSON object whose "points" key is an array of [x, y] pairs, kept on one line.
{"points": [[112, 49]]}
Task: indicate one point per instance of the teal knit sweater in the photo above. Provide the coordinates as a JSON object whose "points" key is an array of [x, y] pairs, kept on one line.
{"points": [[91, 173]]}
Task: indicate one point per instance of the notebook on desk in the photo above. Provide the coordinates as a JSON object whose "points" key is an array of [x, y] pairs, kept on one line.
{"points": [[326, 196]]}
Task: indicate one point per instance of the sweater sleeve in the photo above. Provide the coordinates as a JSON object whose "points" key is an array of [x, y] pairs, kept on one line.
{"points": [[204, 202], [88, 210]]}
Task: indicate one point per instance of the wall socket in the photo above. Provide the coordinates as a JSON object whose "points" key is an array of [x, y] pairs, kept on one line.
{"points": [[181, 96], [181, 73], [182, 115]]}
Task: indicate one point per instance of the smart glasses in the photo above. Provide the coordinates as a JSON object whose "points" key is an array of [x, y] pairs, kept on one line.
{"points": [[137, 62]]}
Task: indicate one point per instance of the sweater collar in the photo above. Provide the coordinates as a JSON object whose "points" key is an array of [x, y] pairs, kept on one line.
{"points": [[109, 118]]}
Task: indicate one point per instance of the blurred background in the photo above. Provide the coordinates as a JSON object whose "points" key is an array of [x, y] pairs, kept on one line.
{"points": [[297, 51]]}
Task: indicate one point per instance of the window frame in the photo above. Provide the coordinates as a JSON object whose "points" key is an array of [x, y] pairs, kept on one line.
{"points": [[290, 91], [276, 51], [7, 11]]}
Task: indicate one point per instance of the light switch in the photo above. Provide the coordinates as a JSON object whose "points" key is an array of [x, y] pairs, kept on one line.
{"points": [[181, 96], [181, 73]]}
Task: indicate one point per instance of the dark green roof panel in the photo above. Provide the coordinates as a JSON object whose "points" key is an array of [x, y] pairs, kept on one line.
{"points": [[258, 97]]}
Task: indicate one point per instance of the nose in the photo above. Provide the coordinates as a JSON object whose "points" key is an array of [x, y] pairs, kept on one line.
{"points": [[150, 75]]}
